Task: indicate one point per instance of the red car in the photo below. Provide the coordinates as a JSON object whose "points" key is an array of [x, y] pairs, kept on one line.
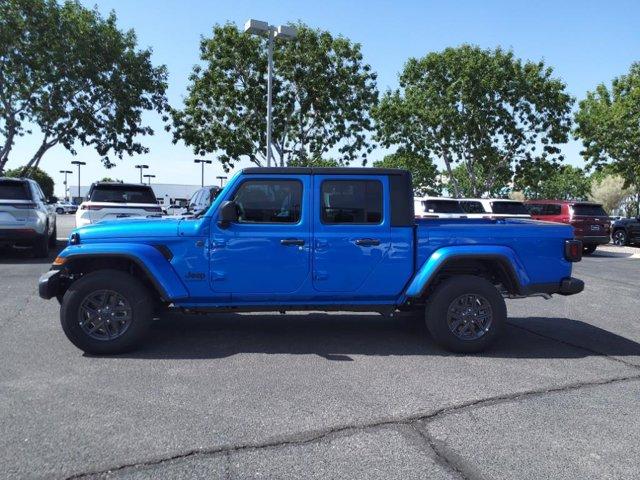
{"points": [[590, 222]]}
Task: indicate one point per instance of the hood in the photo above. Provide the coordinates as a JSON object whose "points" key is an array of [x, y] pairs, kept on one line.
{"points": [[131, 228]]}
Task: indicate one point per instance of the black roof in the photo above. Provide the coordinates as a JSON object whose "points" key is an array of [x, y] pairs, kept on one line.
{"points": [[119, 184], [324, 171]]}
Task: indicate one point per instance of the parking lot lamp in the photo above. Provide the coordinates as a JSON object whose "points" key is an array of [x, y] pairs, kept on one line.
{"points": [[79, 164], [222, 178], [258, 27], [141, 167], [149, 177], [202, 162], [66, 188]]}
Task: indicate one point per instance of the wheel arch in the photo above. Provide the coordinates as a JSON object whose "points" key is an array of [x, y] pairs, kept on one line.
{"points": [[498, 265]]}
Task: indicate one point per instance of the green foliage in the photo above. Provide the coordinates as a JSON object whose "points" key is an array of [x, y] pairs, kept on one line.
{"points": [[313, 162], [44, 180], [464, 181], [608, 122], [423, 171], [545, 180], [609, 191], [484, 109], [322, 94], [77, 77], [109, 179]]}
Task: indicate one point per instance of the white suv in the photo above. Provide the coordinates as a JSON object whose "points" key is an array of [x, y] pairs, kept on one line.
{"points": [[437, 207], [493, 208], [26, 216], [112, 200]]}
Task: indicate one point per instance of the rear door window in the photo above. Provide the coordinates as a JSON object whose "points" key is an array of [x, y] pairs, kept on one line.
{"points": [[541, 209], [442, 206], [122, 194], [12, 190], [509, 208], [351, 201], [588, 210]]}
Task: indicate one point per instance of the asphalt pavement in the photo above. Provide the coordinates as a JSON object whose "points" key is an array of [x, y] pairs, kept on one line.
{"points": [[315, 395]]}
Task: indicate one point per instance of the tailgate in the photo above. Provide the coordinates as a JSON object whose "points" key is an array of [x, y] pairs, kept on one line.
{"points": [[15, 213]]}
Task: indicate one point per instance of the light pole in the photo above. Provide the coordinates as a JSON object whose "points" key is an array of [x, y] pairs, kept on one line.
{"points": [[79, 164], [202, 162], [149, 177], [257, 27], [141, 167], [222, 178], [66, 189]]}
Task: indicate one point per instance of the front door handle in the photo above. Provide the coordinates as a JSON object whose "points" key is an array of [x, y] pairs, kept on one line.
{"points": [[288, 242], [367, 242]]}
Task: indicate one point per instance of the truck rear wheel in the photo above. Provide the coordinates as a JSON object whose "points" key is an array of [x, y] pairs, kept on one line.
{"points": [[465, 314], [106, 312]]}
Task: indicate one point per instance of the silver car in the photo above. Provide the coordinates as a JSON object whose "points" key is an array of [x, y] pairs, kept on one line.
{"points": [[26, 217]]}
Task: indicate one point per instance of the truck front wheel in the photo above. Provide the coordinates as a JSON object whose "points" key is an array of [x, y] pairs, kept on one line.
{"points": [[106, 312], [465, 314]]}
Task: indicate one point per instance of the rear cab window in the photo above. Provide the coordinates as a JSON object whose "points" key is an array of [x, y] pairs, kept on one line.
{"points": [[14, 190], [588, 210], [509, 208], [122, 194], [442, 206], [351, 202]]}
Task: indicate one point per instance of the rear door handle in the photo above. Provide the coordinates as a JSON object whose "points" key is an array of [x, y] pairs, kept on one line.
{"points": [[367, 242], [287, 242]]}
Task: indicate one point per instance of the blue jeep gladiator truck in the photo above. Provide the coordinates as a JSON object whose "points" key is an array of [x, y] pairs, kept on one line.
{"points": [[278, 239]]}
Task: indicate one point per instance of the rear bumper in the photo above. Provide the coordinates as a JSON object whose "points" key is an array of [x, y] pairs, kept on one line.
{"points": [[566, 286], [594, 240], [49, 284], [14, 235]]}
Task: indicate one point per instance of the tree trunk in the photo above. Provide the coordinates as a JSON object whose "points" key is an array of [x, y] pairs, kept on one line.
{"points": [[452, 180]]}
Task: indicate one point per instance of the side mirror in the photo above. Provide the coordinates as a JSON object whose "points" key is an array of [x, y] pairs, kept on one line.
{"points": [[227, 214]]}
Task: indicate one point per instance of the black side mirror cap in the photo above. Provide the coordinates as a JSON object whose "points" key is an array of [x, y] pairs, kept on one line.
{"points": [[227, 214]]}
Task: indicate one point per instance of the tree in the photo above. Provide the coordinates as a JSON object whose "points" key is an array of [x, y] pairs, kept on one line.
{"points": [[545, 180], [610, 192], [40, 176], [468, 106], [461, 180], [322, 94], [423, 171], [77, 77], [608, 122]]}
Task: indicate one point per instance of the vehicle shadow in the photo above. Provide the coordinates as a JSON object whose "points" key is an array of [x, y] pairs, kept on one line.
{"points": [[609, 254], [24, 255], [340, 337]]}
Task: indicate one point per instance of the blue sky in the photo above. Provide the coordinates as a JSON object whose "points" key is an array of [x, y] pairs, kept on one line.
{"points": [[586, 42]]}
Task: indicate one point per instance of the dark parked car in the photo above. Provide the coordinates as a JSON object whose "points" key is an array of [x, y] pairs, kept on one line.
{"points": [[626, 231], [590, 222]]}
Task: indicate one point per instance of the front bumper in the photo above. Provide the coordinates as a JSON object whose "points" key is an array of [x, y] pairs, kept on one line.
{"points": [[566, 286], [49, 284], [594, 240]]}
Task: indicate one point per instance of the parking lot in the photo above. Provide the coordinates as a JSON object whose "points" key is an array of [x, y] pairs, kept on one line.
{"points": [[327, 395]]}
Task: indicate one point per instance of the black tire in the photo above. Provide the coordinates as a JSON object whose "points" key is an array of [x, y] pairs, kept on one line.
{"points": [[53, 239], [59, 211], [620, 238], [41, 244], [589, 249], [447, 295], [136, 294]]}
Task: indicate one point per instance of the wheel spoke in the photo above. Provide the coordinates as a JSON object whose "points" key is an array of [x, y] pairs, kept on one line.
{"points": [[469, 316], [105, 315]]}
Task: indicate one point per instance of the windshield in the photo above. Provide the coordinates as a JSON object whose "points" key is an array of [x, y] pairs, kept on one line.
{"points": [[122, 194], [12, 190], [442, 206], [589, 210], [510, 208]]}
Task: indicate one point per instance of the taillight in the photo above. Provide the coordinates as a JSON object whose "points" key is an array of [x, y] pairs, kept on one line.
{"points": [[573, 250], [91, 207]]}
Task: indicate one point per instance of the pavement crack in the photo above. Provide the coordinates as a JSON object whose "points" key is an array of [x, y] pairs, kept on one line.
{"points": [[440, 455], [575, 345], [309, 437]]}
